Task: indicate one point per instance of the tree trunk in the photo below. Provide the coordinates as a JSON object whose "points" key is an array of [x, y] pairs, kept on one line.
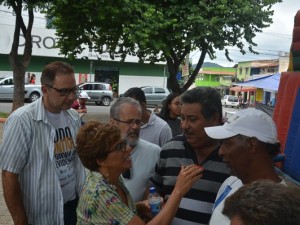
{"points": [[20, 63], [193, 76]]}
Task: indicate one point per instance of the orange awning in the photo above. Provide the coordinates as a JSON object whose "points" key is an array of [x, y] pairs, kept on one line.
{"points": [[242, 89]]}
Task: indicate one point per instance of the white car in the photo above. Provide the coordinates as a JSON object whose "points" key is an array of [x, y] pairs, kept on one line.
{"points": [[155, 95], [100, 93], [32, 91], [230, 100]]}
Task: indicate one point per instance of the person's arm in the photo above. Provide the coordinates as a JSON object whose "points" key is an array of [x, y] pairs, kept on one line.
{"points": [[13, 197], [185, 180], [82, 110]]}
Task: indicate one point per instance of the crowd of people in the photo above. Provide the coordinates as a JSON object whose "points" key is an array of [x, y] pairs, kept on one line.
{"points": [[65, 172]]}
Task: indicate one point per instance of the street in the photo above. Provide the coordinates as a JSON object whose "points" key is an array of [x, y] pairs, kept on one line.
{"points": [[5, 106]]}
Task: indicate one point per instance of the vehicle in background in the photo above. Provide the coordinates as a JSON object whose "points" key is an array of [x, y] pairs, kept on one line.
{"points": [[32, 91], [155, 95], [100, 93], [230, 100]]}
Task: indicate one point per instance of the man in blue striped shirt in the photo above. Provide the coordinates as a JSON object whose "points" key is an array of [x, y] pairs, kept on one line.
{"points": [[42, 175], [201, 107]]}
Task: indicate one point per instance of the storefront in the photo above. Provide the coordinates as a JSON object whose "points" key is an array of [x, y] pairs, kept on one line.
{"points": [[95, 67]]}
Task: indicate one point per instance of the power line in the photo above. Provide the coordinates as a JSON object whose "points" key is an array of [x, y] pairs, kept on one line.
{"points": [[278, 36]]}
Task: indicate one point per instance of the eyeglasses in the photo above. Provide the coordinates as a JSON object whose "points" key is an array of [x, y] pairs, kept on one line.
{"points": [[64, 91], [130, 122], [121, 147]]}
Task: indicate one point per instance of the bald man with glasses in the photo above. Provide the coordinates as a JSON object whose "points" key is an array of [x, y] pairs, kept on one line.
{"points": [[126, 113], [42, 174]]}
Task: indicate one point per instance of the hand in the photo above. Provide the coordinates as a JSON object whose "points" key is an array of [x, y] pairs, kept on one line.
{"points": [[143, 210], [187, 177]]}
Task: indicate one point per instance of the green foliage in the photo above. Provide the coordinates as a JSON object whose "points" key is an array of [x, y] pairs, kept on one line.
{"points": [[3, 115], [161, 30]]}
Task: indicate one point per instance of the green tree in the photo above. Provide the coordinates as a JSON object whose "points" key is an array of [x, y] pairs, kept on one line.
{"points": [[160, 30], [18, 62]]}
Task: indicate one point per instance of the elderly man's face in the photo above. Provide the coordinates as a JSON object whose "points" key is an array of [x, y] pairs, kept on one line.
{"points": [[236, 153], [129, 123]]}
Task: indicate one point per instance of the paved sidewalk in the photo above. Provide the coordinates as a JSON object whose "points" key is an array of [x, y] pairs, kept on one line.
{"points": [[5, 218]]}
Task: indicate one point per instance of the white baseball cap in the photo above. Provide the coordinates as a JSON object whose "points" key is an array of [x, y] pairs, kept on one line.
{"points": [[83, 95], [249, 122]]}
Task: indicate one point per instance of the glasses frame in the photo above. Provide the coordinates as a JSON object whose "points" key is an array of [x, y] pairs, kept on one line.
{"points": [[130, 122], [64, 91]]}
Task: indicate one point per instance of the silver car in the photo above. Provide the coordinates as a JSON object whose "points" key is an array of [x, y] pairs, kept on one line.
{"points": [[32, 91], [230, 100], [155, 95], [100, 93]]}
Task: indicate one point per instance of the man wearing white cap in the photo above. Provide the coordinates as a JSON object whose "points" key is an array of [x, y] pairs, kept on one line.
{"points": [[249, 143], [79, 104]]}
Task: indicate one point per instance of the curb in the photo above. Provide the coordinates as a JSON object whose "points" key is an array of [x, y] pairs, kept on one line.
{"points": [[2, 120]]}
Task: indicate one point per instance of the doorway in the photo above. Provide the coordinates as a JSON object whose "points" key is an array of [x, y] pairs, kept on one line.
{"points": [[108, 75]]}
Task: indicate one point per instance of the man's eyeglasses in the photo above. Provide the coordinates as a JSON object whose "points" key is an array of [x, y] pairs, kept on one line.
{"points": [[121, 147], [130, 122], [64, 91]]}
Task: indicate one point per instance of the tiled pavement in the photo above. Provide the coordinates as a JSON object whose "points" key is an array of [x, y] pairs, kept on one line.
{"points": [[5, 218]]}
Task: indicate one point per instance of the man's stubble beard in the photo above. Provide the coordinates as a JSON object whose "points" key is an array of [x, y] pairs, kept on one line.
{"points": [[132, 143]]}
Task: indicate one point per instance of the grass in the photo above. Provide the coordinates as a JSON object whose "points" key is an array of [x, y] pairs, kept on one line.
{"points": [[4, 115]]}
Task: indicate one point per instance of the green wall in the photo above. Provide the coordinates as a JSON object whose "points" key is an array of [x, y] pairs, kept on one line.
{"points": [[83, 66]]}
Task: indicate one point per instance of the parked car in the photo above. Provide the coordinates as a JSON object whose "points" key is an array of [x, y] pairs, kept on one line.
{"points": [[155, 95], [230, 100], [100, 93], [32, 91]]}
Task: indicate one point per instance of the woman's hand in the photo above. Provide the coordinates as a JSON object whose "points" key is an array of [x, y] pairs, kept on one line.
{"points": [[143, 210], [187, 177]]}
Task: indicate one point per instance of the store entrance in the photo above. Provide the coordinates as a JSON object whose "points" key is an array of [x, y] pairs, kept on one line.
{"points": [[108, 75]]}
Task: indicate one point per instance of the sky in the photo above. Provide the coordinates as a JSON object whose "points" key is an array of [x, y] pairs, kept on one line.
{"points": [[273, 40]]}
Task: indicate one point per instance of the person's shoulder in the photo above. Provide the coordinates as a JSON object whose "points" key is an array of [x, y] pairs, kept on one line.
{"points": [[24, 112], [159, 119], [72, 112], [233, 181], [177, 142], [148, 144]]}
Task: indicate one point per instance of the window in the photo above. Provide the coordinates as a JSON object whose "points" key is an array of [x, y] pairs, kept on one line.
{"points": [[147, 90], [8, 82], [99, 87], [87, 87], [159, 90], [216, 78]]}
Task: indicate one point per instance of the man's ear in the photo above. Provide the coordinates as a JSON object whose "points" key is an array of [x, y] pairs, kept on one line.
{"points": [[253, 142], [44, 89], [215, 120]]}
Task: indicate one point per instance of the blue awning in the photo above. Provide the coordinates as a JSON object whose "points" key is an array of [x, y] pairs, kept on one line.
{"points": [[269, 82]]}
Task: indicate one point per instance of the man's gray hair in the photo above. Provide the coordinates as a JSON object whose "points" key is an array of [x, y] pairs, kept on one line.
{"points": [[117, 106]]}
